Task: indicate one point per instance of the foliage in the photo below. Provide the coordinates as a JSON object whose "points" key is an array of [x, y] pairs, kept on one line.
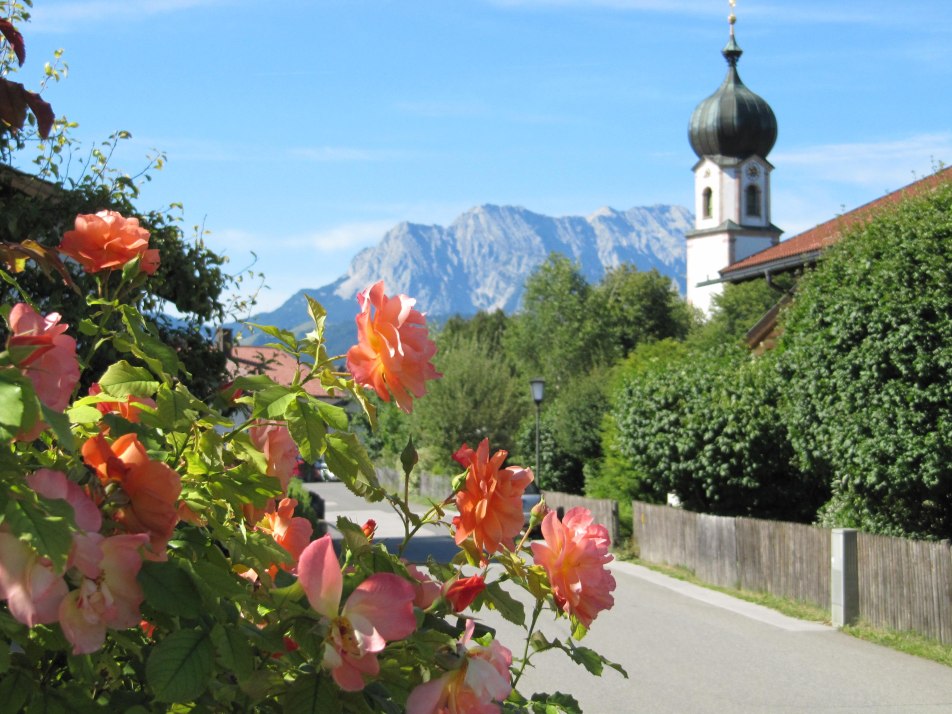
{"points": [[569, 437], [473, 375], [867, 359], [37, 210], [226, 624], [569, 332], [632, 307], [554, 335], [706, 427], [738, 308]]}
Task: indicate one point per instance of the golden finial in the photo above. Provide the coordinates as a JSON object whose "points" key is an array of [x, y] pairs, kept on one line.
{"points": [[732, 18]]}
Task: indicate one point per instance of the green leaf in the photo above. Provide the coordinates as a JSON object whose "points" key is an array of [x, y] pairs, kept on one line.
{"points": [[59, 423], [347, 458], [48, 528], [507, 606], [286, 338], [253, 383], [159, 356], [170, 589], [16, 688], [273, 402], [336, 417], [312, 694], [84, 414], [233, 650], [123, 379], [18, 403], [180, 666], [307, 429]]}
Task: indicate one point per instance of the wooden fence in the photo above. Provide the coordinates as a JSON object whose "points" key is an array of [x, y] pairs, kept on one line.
{"points": [[785, 559], [904, 585]]}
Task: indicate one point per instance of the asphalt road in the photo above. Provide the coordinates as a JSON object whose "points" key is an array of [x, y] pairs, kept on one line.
{"points": [[691, 650]]}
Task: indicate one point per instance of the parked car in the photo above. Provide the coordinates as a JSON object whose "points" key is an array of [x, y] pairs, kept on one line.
{"points": [[324, 473], [530, 497]]}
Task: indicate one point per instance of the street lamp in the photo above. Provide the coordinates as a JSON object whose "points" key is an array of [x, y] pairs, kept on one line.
{"points": [[537, 386]]}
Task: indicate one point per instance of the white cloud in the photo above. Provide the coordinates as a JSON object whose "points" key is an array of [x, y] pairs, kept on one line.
{"points": [[890, 163], [814, 184], [349, 237]]}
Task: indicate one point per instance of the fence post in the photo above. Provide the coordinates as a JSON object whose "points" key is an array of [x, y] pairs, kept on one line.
{"points": [[844, 577]]}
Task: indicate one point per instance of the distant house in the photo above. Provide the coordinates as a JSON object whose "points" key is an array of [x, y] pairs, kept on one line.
{"points": [[280, 366], [14, 181], [804, 250]]}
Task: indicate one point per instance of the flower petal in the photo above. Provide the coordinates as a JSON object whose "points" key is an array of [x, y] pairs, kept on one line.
{"points": [[320, 576]]}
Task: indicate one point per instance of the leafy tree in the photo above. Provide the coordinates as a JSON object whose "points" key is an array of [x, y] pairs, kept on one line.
{"points": [[867, 359], [708, 428], [569, 435], [738, 308], [36, 210], [478, 397], [633, 307], [554, 335]]}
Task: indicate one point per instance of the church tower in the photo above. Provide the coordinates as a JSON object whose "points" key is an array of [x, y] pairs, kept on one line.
{"points": [[731, 131]]}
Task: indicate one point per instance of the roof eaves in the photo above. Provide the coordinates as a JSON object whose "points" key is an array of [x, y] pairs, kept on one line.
{"points": [[778, 265]]}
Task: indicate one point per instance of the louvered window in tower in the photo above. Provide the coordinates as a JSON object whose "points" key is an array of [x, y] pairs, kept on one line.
{"points": [[752, 201]]}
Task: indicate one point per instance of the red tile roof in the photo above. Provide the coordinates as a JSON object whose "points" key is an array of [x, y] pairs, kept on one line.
{"points": [[803, 248], [278, 365]]}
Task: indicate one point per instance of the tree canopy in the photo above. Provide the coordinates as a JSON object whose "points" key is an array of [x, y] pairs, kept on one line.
{"points": [[867, 362]]}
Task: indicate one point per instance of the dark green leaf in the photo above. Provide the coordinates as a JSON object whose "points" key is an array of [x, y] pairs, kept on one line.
{"points": [[170, 589], [180, 666]]}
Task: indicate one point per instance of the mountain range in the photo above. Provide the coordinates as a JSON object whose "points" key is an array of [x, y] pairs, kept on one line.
{"points": [[482, 259]]}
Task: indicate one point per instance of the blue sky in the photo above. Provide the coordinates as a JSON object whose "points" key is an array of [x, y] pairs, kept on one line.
{"points": [[302, 130]]}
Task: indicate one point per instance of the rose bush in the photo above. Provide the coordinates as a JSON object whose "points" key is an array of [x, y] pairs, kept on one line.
{"points": [[151, 559]]}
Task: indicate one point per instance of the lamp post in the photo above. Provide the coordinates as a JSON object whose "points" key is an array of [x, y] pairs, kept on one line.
{"points": [[537, 386]]}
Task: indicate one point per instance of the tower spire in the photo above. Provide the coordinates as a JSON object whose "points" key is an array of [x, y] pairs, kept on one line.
{"points": [[732, 51]]}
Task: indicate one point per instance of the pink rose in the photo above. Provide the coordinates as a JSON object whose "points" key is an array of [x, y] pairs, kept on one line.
{"points": [[473, 688], [110, 599], [106, 241], [393, 351], [280, 451], [32, 589], [378, 611], [574, 555], [44, 353]]}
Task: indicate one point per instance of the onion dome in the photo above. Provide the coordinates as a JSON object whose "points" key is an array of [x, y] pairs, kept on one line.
{"points": [[733, 122]]}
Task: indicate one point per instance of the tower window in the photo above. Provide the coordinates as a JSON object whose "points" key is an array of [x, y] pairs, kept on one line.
{"points": [[752, 201], [707, 203]]}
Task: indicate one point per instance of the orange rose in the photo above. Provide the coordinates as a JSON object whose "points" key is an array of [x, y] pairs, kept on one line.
{"points": [[392, 354], [151, 487], [291, 532], [106, 240], [490, 502]]}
